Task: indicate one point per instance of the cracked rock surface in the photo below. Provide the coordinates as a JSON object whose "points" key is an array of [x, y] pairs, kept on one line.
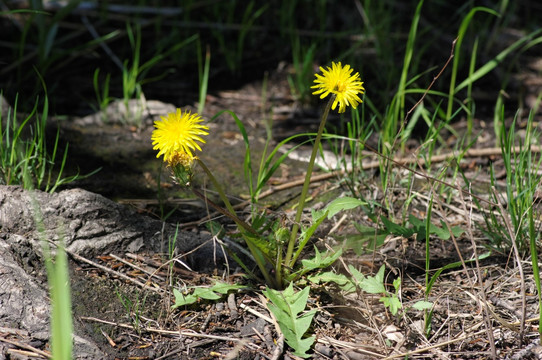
{"points": [[90, 225]]}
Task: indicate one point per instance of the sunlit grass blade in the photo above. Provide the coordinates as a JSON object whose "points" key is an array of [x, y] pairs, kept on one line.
{"points": [[492, 64], [61, 315], [461, 34], [534, 235], [203, 72], [247, 163], [398, 107]]}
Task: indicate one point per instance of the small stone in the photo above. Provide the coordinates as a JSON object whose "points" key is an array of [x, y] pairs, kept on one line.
{"points": [[258, 325], [324, 350]]}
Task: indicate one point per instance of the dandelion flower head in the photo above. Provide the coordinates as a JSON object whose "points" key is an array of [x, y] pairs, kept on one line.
{"points": [[177, 135], [338, 80]]}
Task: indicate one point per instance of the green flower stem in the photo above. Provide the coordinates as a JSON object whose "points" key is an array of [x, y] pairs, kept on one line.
{"points": [[224, 212], [217, 186], [306, 184], [230, 212]]}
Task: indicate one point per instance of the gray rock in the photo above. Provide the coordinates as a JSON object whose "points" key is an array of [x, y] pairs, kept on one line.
{"points": [[24, 304], [90, 225]]}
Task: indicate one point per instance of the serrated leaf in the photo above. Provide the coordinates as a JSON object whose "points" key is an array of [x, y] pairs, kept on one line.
{"points": [[223, 287], [303, 322], [356, 274], [341, 204], [374, 284], [319, 261], [298, 301], [206, 293], [397, 283], [396, 229], [182, 300], [422, 305], [302, 346], [268, 252], [329, 276], [286, 306], [392, 303]]}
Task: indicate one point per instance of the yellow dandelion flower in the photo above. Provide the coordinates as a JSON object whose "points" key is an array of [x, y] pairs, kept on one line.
{"points": [[176, 136], [338, 80]]}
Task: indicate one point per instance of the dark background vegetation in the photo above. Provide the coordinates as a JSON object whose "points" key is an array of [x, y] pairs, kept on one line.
{"points": [[245, 39]]}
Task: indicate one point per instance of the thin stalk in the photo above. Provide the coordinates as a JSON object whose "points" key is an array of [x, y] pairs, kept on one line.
{"points": [[256, 254], [306, 184], [224, 212], [217, 186], [534, 261]]}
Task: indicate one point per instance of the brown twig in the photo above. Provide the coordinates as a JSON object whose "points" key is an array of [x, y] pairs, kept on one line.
{"points": [[436, 346], [189, 333], [349, 346], [400, 161], [151, 274], [116, 273], [22, 345]]}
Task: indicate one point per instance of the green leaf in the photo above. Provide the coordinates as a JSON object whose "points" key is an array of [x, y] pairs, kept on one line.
{"points": [[329, 276], [356, 274], [396, 229], [214, 292], [422, 305], [286, 306], [340, 204], [419, 227], [206, 293], [397, 284], [374, 285], [59, 287], [367, 239], [265, 252], [492, 63], [442, 233], [303, 345], [457, 231], [391, 302], [319, 261], [182, 300], [224, 288], [307, 233]]}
